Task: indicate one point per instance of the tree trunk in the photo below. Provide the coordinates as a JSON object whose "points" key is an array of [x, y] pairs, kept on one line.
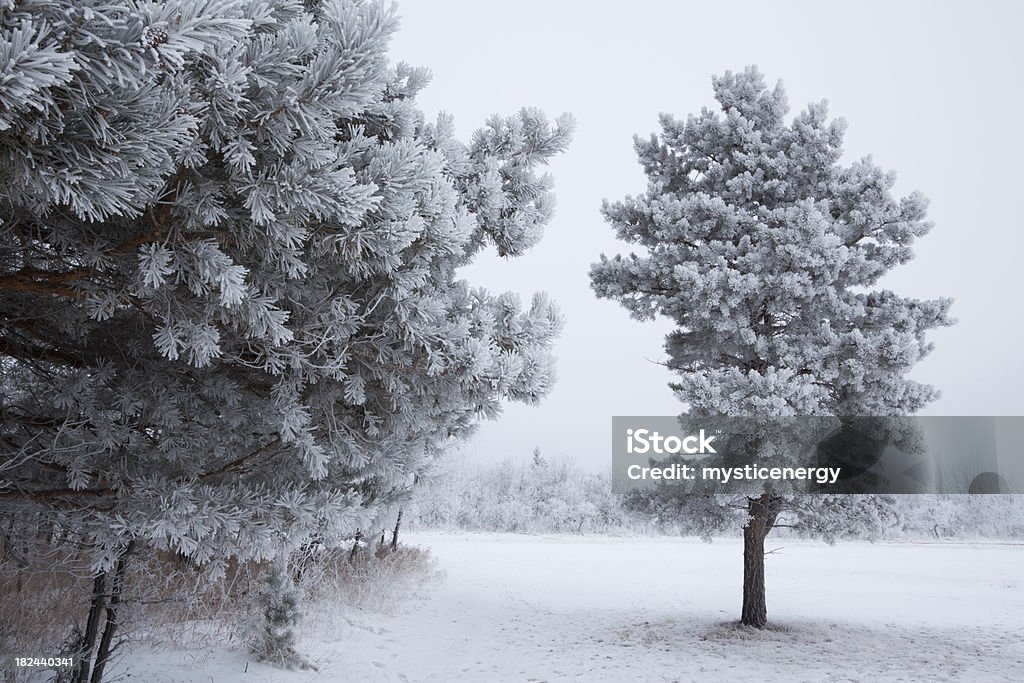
{"points": [[763, 511], [394, 534], [103, 654], [92, 625], [355, 546]]}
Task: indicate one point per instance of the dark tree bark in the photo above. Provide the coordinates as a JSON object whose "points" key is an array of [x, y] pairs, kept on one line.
{"points": [[103, 653], [394, 534], [92, 625], [355, 546], [763, 512]]}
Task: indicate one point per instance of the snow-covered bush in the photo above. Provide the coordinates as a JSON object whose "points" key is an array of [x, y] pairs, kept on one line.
{"points": [[960, 517], [535, 497], [560, 497]]}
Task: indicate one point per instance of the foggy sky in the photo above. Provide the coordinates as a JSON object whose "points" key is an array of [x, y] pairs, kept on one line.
{"points": [[932, 90]]}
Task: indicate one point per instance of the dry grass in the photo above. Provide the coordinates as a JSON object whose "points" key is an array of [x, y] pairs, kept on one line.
{"points": [[337, 586], [176, 603], [37, 598], [169, 602], [378, 582], [44, 603]]}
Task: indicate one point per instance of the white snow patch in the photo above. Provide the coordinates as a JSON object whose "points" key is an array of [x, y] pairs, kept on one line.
{"points": [[535, 608]]}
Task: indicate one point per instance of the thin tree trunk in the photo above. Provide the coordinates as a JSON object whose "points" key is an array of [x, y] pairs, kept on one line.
{"points": [[762, 511], [92, 625], [394, 534], [103, 654], [355, 546]]}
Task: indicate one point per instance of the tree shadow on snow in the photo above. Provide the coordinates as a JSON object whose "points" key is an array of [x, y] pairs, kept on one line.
{"points": [[842, 650]]}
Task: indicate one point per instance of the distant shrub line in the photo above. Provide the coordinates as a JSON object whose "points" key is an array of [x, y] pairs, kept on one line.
{"points": [[558, 497]]}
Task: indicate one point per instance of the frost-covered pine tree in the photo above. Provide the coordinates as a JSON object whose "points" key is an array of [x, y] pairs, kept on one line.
{"points": [[765, 251], [279, 598], [230, 313]]}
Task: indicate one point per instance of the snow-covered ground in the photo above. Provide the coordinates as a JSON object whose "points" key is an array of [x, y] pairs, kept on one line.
{"points": [[529, 608]]}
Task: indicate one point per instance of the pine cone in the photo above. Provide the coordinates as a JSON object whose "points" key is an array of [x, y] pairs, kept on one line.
{"points": [[151, 37]]}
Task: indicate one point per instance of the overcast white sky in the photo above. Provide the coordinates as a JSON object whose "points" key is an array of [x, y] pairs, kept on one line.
{"points": [[933, 90]]}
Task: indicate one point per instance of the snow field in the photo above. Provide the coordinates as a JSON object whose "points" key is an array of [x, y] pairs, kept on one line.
{"points": [[591, 609]]}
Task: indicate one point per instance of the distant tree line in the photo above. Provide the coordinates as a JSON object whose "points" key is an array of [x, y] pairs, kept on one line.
{"points": [[557, 496]]}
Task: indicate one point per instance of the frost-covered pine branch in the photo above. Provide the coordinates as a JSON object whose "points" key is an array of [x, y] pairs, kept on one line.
{"points": [[229, 242]]}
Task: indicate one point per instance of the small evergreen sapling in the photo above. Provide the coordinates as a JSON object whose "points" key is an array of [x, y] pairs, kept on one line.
{"points": [[279, 601]]}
